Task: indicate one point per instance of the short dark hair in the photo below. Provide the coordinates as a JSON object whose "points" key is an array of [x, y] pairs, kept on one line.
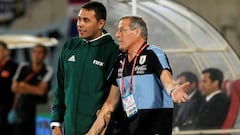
{"points": [[214, 74], [42, 46], [3, 44], [190, 77], [98, 8]]}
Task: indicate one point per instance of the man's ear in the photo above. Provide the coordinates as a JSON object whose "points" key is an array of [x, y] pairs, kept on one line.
{"points": [[216, 82], [138, 32], [101, 23]]}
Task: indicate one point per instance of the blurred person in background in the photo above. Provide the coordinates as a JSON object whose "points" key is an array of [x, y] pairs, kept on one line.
{"points": [[187, 111], [214, 108], [84, 65], [31, 84], [7, 70]]}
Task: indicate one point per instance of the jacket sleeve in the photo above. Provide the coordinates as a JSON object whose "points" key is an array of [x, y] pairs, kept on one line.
{"points": [[58, 105]]}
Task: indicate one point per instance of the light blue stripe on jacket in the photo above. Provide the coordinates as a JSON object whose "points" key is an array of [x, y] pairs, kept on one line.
{"points": [[148, 92]]}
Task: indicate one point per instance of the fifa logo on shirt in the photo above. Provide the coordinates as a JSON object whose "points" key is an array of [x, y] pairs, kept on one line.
{"points": [[99, 63]]}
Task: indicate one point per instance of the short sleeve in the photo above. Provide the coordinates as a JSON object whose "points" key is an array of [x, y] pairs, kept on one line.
{"points": [[158, 60]]}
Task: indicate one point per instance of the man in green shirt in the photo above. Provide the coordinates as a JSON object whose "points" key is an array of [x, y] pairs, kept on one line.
{"points": [[84, 65]]}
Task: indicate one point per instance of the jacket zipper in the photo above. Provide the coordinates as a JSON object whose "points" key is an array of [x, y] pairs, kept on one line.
{"points": [[83, 65]]}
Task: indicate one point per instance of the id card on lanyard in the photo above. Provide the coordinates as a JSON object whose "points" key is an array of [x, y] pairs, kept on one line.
{"points": [[129, 104]]}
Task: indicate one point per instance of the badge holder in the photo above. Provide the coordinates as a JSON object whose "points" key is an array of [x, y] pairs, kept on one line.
{"points": [[129, 105]]}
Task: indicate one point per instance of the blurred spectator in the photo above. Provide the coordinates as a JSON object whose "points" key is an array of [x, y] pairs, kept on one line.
{"points": [[31, 82], [7, 70], [187, 111], [214, 109], [227, 87]]}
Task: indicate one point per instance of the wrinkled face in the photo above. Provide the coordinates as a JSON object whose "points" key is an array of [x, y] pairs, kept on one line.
{"points": [[87, 25], [3, 53], [38, 55], [206, 85], [125, 35]]}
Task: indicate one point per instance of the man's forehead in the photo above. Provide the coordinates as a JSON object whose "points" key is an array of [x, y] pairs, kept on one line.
{"points": [[123, 23], [205, 76], [86, 13], [182, 78]]}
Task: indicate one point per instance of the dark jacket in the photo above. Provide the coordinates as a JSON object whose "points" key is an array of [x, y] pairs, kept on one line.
{"points": [[188, 111], [212, 113]]}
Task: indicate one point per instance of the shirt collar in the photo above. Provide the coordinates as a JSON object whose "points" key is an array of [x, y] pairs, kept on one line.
{"points": [[103, 35], [209, 97], [191, 94]]}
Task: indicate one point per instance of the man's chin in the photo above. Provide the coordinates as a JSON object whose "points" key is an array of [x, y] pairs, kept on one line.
{"points": [[82, 36], [122, 49]]}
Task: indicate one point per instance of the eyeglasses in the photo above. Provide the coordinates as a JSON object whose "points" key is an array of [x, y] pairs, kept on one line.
{"points": [[122, 30]]}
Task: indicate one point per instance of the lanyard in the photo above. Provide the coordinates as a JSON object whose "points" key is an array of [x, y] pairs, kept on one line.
{"points": [[133, 68]]}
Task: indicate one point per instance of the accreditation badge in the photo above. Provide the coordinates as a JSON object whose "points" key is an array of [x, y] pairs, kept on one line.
{"points": [[129, 105]]}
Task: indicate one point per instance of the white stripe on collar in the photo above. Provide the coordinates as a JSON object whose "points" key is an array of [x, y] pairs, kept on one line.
{"points": [[209, 97], [103, 35]]}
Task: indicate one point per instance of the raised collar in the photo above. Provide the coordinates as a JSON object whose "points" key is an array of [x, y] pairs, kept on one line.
{"points": [[209, 97]]}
